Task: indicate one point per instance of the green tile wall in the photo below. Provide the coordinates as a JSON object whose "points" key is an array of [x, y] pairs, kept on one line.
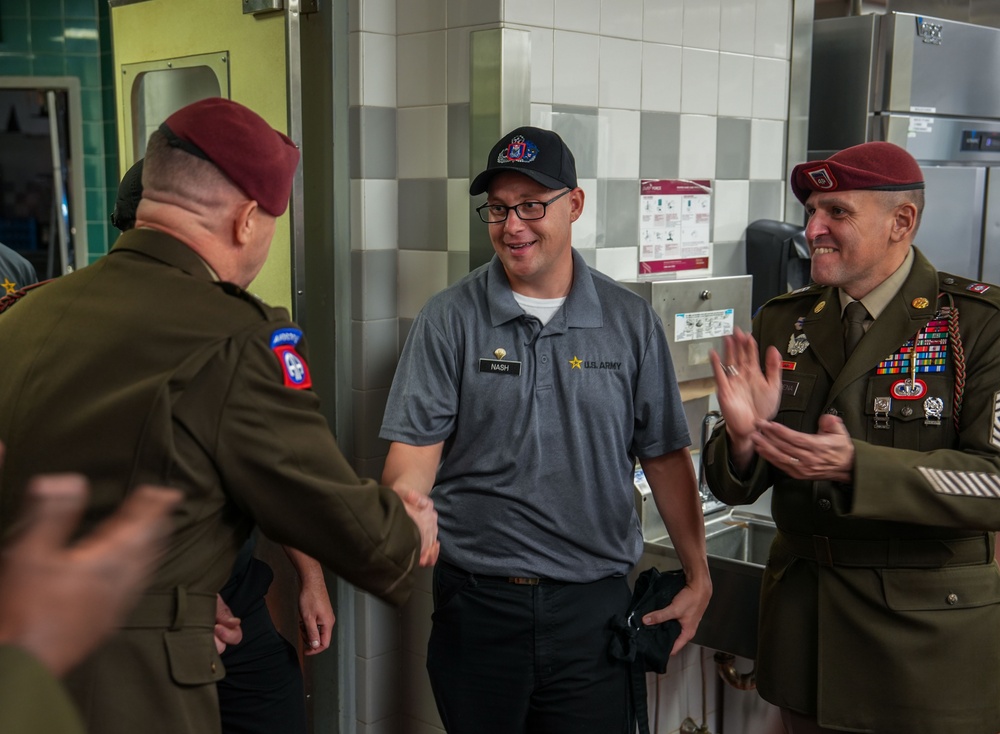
{"points": [[73, 38]]}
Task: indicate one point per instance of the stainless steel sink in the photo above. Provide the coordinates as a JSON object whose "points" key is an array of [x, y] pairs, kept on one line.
{"points": [[738, 542]]}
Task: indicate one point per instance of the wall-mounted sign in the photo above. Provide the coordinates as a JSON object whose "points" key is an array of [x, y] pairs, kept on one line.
{"points": [[674, 226]]}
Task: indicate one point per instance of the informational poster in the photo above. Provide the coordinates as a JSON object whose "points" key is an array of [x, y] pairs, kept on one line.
{"points": [[674, 227]]}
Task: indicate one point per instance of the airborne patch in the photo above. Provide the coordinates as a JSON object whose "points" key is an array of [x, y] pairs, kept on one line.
{"points": [[293, 367]]}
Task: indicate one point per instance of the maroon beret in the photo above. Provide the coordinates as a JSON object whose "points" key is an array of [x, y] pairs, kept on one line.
{"points": [[256, 157], [873, 166]]}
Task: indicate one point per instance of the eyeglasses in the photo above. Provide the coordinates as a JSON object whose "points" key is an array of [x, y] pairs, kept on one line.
{"points": [[526, 211]]}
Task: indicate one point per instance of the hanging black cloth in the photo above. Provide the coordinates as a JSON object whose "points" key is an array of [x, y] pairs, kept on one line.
{"points": [[646, 648]]}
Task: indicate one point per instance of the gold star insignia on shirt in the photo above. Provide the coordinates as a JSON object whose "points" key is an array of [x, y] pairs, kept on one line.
{"points": [[576, 363], [8, 286]]}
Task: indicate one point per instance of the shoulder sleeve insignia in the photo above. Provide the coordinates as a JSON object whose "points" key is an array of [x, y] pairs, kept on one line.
{"points": [[293, 367]]}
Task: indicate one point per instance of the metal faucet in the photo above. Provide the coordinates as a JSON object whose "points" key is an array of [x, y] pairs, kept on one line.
{"points": [[708, 501]]}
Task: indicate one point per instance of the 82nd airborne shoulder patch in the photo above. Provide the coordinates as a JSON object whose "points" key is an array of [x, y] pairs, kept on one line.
{"points": [[293, 367]]}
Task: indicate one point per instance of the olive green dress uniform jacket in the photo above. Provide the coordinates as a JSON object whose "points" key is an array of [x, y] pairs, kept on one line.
{"points": [[141, 369], [32, 700], [880, 605]]}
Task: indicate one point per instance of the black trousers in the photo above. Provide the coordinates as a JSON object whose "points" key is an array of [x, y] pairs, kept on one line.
{"points": [[262, 692], [506, 658]]}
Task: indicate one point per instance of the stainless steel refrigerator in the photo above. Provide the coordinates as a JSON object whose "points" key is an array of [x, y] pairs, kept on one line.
{"points": [[931, 86]]}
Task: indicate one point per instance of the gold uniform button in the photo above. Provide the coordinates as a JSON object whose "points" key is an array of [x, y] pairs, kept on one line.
{"points": [[213, 667], [952, 598]]}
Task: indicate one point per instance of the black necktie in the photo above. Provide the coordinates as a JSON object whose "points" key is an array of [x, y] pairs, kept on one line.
{"points": [[854, 329]]}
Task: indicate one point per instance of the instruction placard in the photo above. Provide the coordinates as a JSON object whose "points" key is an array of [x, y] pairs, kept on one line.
{"points": [[674, 226], [703, 325]]}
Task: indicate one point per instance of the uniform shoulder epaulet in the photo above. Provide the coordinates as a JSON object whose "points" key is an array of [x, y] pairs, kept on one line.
{"points": [[808, 290], [234, 290], [11, 298], [956, 285]]}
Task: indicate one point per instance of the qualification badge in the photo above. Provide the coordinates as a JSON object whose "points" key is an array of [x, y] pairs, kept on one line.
{"points": [[881, 409], [797, 344], [933, 409]]}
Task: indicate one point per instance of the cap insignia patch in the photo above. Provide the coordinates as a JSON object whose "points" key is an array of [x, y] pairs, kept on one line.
{"points": [[518, 150], [822, 178]]}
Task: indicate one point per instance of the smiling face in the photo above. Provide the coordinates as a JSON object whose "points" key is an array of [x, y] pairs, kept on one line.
{"points": [[858, 238], [537, 254]]}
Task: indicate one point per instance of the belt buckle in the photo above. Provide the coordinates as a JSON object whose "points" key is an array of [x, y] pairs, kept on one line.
{"points": [[522, 581]]}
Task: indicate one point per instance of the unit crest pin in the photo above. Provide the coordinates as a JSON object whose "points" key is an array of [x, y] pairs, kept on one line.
{"points": [[500, 353]]}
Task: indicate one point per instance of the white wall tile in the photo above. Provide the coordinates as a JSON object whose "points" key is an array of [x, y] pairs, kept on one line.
{"points": [[375, 16], [770, 88], [425, 273], [379, 214], [376, 626], [699, 81], [458, 65], [479, 12], [585, 228], [618, 144], [422, 69], [767, 149], [417, 16], [575, 68], [422, 139], [663, 21], [772, 36], [578, 15], [619, 263], [621, 73], [730, 207], [377, 80], [542, 64], [355, 66], [661, 78], [541, 115], [377, 686], [735, 85], [622, 18], [702, 23], [528, 12], [459, 204], [697, 155], [736, 33]]}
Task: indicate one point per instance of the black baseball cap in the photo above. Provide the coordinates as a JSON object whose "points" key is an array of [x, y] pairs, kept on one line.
{"points": [[538, 154]]}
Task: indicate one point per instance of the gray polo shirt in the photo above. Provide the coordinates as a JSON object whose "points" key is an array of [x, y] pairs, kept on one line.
{"points": [[15, 271], [540, 445]]}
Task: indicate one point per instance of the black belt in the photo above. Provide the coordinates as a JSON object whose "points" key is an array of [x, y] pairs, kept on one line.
{"points": [[174, 609], [893, 553], [518, 580]]}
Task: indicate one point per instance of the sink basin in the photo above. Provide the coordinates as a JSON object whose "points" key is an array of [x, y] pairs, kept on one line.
{"points": [[737, 542], [746, 539]]}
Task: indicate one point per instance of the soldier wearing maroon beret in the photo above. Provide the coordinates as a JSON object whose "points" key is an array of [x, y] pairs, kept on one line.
{"points": [[155, 366], [873, 410]]}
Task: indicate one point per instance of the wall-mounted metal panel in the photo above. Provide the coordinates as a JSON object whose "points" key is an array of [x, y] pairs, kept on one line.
{"points": [[153, 90], [696, 314]]}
